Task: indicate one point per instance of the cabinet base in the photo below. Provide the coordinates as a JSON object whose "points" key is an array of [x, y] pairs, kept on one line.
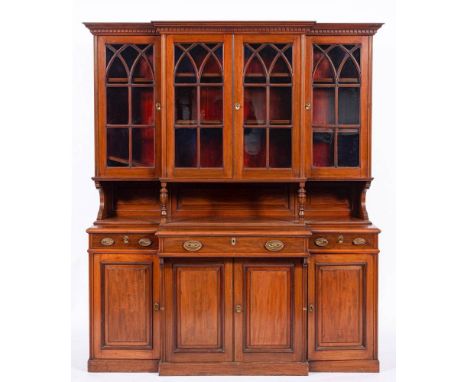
{"points": [[234, 368], [123, 365], [355, 366]]}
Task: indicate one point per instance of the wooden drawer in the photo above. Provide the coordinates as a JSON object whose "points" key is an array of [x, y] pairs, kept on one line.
{"points": [[347, 241], [123, 241], [231, 245]]}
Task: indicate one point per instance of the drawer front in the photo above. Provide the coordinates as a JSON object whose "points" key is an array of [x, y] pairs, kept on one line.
{"points": [[123, 241], [230, 245], [336, 240]]}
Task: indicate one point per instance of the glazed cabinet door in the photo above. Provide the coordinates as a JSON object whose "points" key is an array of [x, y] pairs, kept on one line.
{"points": [[199, 115], [127, 81], [268, 310], [124, 289], [338, 106], [198, 303], [267, 111], [342, 307]]}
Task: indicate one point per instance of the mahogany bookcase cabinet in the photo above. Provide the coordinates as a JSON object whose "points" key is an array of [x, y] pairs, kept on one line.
{"points": [[232, 163]]}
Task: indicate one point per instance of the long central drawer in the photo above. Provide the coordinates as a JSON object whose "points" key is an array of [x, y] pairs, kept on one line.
{"points": [[233, 246]]}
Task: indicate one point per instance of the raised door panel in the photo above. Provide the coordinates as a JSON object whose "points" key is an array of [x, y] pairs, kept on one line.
{"points": [[128, 116], [198, 311], [123, 324], [338, 90], [341, 294], [267, 106], [199, 110], [268, 310]]}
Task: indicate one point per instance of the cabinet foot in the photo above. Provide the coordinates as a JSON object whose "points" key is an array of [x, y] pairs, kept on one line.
{"points": [[234, 368], [123, 365], [355, 366]]}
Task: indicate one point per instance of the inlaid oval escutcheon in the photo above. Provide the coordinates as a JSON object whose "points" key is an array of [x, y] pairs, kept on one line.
{"points": [[144, 242], [359, 241], [321, 242], [107, 241], [192, 245], [274, 245]]}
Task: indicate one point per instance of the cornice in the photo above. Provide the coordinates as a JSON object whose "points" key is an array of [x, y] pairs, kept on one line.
{"points": [[310, 28]]}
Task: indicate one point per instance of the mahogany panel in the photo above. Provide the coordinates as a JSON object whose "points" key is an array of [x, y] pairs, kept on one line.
{"points": [[198, 310], [342, 297], [268, 310]]}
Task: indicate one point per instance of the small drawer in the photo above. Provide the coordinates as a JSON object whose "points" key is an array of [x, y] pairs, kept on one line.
{"points": [[123, 241], [234, 245], [337, 240]]}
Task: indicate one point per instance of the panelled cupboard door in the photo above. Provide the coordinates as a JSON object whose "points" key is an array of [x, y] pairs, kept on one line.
{"points": [[127, 106], [268, 310], [199, 106], [337, 113], [267, 106], [342, 294], [124, 290], [198, 310]]}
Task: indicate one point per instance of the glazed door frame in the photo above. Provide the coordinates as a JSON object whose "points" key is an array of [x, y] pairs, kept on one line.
{"points": [[364, 169], [100, 105], [101, 266], [273, 173], [344, 338], [254, 322], [199, 172]]}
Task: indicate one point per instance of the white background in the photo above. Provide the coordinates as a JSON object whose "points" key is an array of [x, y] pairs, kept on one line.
{"points": [[48, 199]]}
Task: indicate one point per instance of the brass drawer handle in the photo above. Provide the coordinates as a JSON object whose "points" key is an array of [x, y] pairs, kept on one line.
{"points": [[107, 241], [359, 241], [274, 245], [321, 242], [192, 245], [144, 242]]}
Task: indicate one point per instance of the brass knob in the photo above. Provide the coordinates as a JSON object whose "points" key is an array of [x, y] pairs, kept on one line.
{"points": [[311, 308], [144, 242], [158, 106], [237, 106], [359, 241], [274, 245], [321, 242], [238, 308], [156, 306], [107, 241], [307, 106], [192, 245], [340, 239]]}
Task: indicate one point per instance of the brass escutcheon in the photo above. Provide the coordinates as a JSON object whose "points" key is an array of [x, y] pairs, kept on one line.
{"points": [[321, 242], [125, 239], [144, 242], [274, 245], [238, 308], [107, 241], [340, 239], [192, 245]]}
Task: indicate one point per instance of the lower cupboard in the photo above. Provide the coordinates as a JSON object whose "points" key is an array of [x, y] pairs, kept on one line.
{"points": [[226, 310]]}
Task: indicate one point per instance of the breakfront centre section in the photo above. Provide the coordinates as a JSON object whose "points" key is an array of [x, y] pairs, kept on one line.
{"points": [[232, 164]]}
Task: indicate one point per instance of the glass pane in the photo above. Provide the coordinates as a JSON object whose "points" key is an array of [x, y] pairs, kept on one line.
{"points": [[142, 72], [280, 106], [280, 147], [254, 148], [212, 70], [211, 147], [348, 106], [348, 149], [186, 147], [324, 106], [323, 71], [117, 105], [142, 106], [254, 106], [186, 105], [185, 71], [117, 147], [143, 147], [349, 72], [117, 71], [211, 105], [323, 149]]}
